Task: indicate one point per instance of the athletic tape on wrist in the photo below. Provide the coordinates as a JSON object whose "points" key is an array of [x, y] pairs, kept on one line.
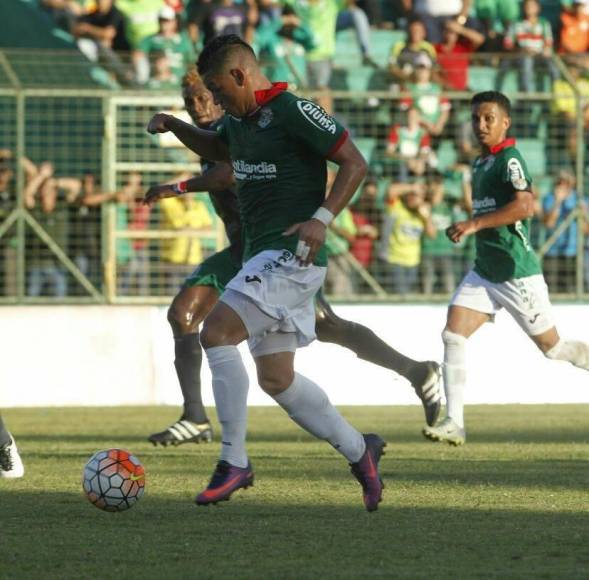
{"points": [[180, 187], [324, 216]]}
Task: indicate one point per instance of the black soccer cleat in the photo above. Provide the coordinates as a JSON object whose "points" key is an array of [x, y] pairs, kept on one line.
{"points": [[366, 471], [428, 390], [226, 479], [183, 431]]}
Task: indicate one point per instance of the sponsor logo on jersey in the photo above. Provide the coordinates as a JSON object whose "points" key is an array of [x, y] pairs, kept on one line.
{"points": [[317, 116], [484, 205], [516, 174], [265, 118], [244, 171]]}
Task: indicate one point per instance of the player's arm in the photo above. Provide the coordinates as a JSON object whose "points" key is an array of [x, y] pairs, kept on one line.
{"points": [[218, 178], [204, 143], [521, 207]]}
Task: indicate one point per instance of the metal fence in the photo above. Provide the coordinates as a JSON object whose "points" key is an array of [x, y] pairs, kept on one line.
{"points": [[75, 161]]}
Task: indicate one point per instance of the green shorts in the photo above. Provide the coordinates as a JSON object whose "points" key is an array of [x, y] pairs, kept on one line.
{"points": [[215, 271]]}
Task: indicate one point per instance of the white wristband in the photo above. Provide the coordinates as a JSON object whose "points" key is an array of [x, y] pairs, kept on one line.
{"points": [[323, 215]]}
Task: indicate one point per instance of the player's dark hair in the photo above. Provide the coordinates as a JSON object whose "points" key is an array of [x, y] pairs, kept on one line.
{"points": [[492, 97], [414, 18], [216, 52]]}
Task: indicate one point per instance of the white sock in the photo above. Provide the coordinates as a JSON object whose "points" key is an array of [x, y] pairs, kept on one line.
{"points": [[308, 406], [454, 375], [230, 386], [573, 351]]}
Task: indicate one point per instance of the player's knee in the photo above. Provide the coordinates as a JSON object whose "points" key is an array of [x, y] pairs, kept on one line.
{"points": [[184, 318], [274, 380], [214, 335], [328, 326]]}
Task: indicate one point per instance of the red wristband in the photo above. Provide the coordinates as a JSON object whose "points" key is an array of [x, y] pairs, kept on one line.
{"points": [[180, 187]]}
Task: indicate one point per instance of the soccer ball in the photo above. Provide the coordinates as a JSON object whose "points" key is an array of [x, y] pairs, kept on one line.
{"points": [[113, 480]]}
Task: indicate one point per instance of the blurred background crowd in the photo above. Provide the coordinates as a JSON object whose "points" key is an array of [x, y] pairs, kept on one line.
{"points": [[398, 73]]}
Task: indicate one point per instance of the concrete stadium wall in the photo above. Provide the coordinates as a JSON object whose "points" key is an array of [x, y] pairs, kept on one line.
{"points": [[114, 355]]}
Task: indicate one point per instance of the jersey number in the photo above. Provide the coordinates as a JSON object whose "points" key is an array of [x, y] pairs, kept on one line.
{"points": [[253, 279]]}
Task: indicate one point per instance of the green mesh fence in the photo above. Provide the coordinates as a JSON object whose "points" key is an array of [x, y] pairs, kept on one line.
{"points": [[76, 159]]}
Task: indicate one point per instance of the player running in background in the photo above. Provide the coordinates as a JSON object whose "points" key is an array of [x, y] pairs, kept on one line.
{"points": [[507, 273], [11, 465], [204, 286], [278, 145]]}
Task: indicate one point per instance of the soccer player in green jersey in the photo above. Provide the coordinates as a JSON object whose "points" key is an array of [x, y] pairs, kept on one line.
{"points": [[507, 273], [203, 287], [278, 145], [11, 465]]}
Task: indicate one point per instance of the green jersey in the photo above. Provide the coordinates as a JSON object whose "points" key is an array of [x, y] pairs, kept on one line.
{"points": [[177, 48], [279, 156], [502, 253]]}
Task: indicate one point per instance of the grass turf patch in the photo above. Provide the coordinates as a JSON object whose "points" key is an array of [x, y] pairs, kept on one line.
{"points": [[513, 502]]}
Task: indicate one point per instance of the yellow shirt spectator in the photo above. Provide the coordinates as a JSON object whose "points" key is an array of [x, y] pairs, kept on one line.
{"points": [[179, 213], [564, 97], [403, 230]]}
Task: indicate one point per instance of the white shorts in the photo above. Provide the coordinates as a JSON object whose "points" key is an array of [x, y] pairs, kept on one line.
{"points": [[526, 299], [273, 295]]}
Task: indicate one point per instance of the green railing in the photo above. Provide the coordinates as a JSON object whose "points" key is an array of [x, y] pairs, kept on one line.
{"points": [[88, 142]]}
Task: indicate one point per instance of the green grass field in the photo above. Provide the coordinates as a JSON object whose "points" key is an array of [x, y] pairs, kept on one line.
{"points": [[512, 503]]}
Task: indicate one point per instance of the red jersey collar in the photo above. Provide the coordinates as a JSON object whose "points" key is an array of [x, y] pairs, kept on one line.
{"points": [[510, 142], [266, 95]]}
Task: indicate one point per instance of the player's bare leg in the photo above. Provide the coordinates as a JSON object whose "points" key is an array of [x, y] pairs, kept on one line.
{"points": [[461, 324], [556, 348], [187, 311], [423, 375]]}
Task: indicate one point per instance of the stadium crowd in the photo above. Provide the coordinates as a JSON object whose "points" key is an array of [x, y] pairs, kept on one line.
{"points": [[393, 234]]}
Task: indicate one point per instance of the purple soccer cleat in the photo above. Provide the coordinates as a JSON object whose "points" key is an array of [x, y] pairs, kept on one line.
{"points": [[366, 471], [226, 479]]}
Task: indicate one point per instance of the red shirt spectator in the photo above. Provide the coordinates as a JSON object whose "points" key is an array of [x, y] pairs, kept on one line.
{"points": [[453, 54], [574, 33]]}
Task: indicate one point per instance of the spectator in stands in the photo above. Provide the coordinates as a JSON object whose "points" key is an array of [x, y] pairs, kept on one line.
{"points": [[407, 219], [101, 37], [8, 242], [531, 40], [563, 121], [495, 17], [560, 260], [181, 254], [282, 41], [84, 238], [411, 145], [323, 18], [340, 278], [134, 259], [170, 40], [209, 19], [367, 220], [438, 254], [434, 13], [426, 96], [405, 53], [44, 269], [574, 33], [453, 54], [64, 12], [162, 75], [141, 19]]}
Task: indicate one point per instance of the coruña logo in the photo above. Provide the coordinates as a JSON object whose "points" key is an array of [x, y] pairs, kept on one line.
{"points": [[317, 116]]}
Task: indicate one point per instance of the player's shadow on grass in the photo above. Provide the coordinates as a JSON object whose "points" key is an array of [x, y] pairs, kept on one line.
{"points": [[60, 535]]}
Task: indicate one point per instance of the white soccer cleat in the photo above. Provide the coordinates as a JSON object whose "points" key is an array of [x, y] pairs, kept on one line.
{"points": [[446, 431], [11, 465]]}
